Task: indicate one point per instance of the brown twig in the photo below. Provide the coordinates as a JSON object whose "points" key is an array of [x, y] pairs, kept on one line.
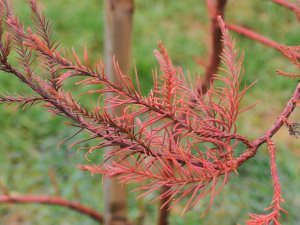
{"points": [[292, 6], [164, 207], [51, 200], [289, 108], [217, 47], [280, 120]]}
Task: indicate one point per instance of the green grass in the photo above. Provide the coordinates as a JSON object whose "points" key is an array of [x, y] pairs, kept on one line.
{"points": [[29, 138]]}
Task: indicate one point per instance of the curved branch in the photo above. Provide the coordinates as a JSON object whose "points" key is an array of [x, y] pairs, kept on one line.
{"points": [[289, 108], [51, 200], [217, 47], [280, 120]]}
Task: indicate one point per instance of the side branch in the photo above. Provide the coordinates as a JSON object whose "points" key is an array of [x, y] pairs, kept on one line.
{"points": [[51, 200], [253, 35], [276, 126], [280, 120], [275, 207]]}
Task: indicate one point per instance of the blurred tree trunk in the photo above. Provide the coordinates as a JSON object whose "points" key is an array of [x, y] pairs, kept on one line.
{"points": [[118, 26]]}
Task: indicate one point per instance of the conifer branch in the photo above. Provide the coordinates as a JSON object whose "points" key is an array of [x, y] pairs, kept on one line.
{"points": [[275, 206], [185, 156], [21, 101], [144, 151]]}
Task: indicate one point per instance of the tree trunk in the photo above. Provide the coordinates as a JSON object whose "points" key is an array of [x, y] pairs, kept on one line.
{"points": [[118, 26]]}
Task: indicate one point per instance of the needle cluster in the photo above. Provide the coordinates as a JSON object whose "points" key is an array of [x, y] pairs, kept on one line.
{"points": [[175, 136]]}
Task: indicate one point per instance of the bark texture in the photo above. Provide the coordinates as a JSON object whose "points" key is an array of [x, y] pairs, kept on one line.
{"points": [[118, 26]]}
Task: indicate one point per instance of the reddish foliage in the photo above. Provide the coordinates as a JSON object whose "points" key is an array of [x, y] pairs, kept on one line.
{"points": [[277, 198], [164, 138]]}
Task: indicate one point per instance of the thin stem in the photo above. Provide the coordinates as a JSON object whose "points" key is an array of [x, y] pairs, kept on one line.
{"points": [[253, 35], [276, 126], [164, 208], [217, 47], [280, 120], [51, 200]]}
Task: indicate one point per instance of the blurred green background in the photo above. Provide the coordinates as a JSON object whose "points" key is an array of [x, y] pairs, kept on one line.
{"points": [[28, 139]]}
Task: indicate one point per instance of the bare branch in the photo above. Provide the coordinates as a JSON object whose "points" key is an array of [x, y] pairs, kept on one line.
{"points": [[285, 114], [253, 35], [50, 200]]}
